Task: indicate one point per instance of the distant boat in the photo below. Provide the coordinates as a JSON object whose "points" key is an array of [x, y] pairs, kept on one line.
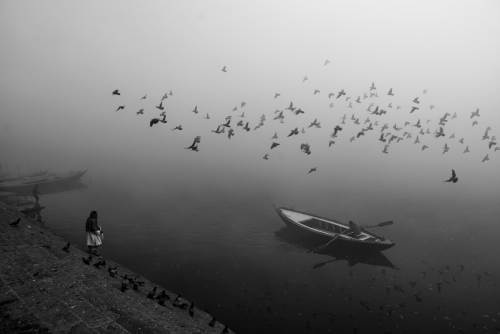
{"points": [[327, 229], [7, 178], [49, 183]]}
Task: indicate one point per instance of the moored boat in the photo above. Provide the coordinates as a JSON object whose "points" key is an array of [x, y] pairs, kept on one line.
{"points": [[327, 229], [45, 183]]}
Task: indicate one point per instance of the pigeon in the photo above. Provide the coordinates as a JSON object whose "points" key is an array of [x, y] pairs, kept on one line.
{"points": [[417, 124], [331, 105], [243, 104], [275, 136], [475, 113], [341, 93], [276, 95], [294, 132], [212, 322], [446, 148], [230, 133], [120, 107], [140, 112], [66, 248], [453, 177], [195, 109], [466, 149], [424, 147], [266, 157], [416, 141], [485, 158], [358, 100], [116, 92], [178, 127], [312, 170], [413, 109], [440, 133], [390, 92], [331, 143], [474, 123], [151, 294], [291, 108], [327, 62], [491, 143], [218, 130], [385, 149], [224, 69], [227, 124], [242, 114], [305, 78], [273, 145], [193, 146], [382, 138], [246, 127], [164, 120], [15, 223], [330, 95], [335, 130], [415, 100], [225, 330], [191, 309], [165, 96], [373, 86], [316, 91], [208, 116], [87, 260], [235, 108], [160, 106], [170, 93]]}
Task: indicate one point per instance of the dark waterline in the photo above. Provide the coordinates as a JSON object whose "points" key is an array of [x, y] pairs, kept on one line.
{"points": [[223, 246]]}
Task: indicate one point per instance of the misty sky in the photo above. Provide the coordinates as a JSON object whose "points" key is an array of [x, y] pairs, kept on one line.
{"points": [[60, 61]]}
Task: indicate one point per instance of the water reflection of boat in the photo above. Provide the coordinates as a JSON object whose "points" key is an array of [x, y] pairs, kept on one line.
{"points": [[353, 255], [46, 184], [326, 228], [33, 211]]}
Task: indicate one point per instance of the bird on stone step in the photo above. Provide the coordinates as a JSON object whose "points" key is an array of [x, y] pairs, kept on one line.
{"points": [[191, 309], [151, 294], [16, 222], [66, 248], [124, 286], [225, 330], [87, 260], [212, 322]]}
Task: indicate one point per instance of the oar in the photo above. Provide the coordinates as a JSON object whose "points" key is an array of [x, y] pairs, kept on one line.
{"points": [[390, 222], [321, 247]]}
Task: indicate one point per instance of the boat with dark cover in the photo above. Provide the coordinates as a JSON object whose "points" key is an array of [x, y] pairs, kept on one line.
{"points": [[327, 228]]}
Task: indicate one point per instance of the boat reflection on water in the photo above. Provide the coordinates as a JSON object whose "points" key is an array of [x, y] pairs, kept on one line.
{"points": [[352, 255], [33, 211]]}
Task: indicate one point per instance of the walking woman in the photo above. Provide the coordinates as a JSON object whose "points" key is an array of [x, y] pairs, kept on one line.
{"points": [[95, 234]]}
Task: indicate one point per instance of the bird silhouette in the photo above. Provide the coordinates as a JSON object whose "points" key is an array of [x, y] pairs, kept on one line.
{"points": [[208, 116], [273, 145], [230, 133], [165, 96], [66, 248], [15, 223], [491, 143], [415, 100], [152, 293], [275, 136], [390, 92], [87, 260], [424, 147], [445, 148], [294, 132], [276, 95], [305, 78], [140, 112], [466, 149], [385, 149], [330, 143], [485, 158], [316, 91], [195, 110], [453, 177], [341, 93], [212, 322], [224, 69], [413, 109], [266, 157], [312, 170], [474, 123], [120, 107], [382, 138], [439, 133], [218, 130], [178, 127], [291, 108], [116, 92], [160, 106], [327, 62], [475, 113], [246, 127]]}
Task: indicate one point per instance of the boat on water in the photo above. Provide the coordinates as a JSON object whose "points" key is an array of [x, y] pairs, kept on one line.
{"points": [[326, 229], [46, 183], [10, 178]]}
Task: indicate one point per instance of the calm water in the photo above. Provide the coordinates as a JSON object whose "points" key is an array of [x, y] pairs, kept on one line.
{"points": [[219, 242]]}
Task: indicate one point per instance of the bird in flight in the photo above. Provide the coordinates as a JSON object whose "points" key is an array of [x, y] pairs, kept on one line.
{"points": [[432, 107], [291, 108], [416, 141], [144, 97], [331, 94], [445, 148], [305, 78], [415, 100], [390, 92], [485, 158], [165, 96], [452, 136], [116, 92], [170, 93], [425, 91], [417, 124], [440, 133], [316, 91], [230, 133], [299, 111], [246, 127], [491, 143], [275, 136], [235, 108], [305, 148], [382, 138], [312, 170], [140, 112], [195, 110], [373, 86], [178, 127], [327, 62], [208, 116], [193, 146], [242, 114], [474, 123], [218, 130], [266, 157], [153, 121], [413, 109], [341, 93], [224, 69], [120, 107], [243, 104], [475, 113], [330, 143], [424, 147], [467, 150], [273, 145], [164, 120], [453, 177], [276, 95], [385, 149], [358, 100], [294, 132], [160, 106], [335, 130]]}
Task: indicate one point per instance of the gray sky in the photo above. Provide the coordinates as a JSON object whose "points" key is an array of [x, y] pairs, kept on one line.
{"points": [[61, 60]]}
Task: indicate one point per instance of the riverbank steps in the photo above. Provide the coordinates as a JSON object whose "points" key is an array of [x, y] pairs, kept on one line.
{"points": [[44, 289]]}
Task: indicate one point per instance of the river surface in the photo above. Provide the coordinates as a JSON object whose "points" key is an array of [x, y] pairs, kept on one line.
{"points": [[219, 242]]}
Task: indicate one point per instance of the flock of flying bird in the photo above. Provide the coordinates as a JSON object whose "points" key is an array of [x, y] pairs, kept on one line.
{"points": [[387, 136]]}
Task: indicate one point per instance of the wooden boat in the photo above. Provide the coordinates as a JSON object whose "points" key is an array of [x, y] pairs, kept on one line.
{"points": [[326, 229], [48, 183], [7, 178]]}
